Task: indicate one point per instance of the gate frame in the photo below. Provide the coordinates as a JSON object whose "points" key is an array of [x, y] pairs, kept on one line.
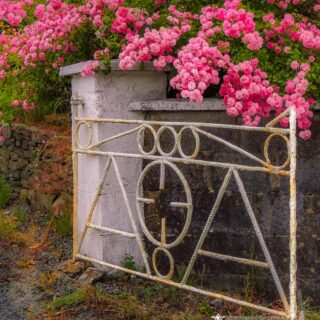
{"points": [[291, 309]]}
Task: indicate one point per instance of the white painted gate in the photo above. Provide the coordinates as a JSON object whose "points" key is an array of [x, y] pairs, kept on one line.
{"points": [[170, 160]]}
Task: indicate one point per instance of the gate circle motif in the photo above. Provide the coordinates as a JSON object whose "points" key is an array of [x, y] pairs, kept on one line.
{"points": [[169, 275], [197, 143], [140, 199], [175, 138], [140, 135], [90, 134], [266, 150]]}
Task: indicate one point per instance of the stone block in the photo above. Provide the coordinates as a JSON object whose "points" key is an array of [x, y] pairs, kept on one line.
{"points": [[91, 276]]}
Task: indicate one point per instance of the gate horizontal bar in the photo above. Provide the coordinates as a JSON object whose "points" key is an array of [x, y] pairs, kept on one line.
{"points": [[240, 167], [113, 231], [186, 287], [193, 124], [146, 200], [224, 257]]}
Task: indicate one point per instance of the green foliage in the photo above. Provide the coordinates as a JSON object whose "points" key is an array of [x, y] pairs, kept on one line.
{"points": [[48, 91], [5, 193], [191, 5], [129, 262], [145, 4], [310, 315], [19, 214], [205, 309], [71, 300], [63, 224], [168, 293]]}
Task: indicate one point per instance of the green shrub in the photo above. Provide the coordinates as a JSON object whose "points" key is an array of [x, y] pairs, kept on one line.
{"points": [[129, 263], [19, 214], [63, 224]]}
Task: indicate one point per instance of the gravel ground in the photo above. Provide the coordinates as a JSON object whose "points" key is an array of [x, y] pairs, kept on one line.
{"points": [[7, 309], [8, 306], [19, 292]]}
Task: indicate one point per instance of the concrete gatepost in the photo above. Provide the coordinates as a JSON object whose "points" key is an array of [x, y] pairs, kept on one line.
{"points": [[108, 96]]}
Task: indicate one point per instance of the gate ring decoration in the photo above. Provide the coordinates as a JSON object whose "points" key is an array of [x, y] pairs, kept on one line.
{"points": [[266, 150], [141, 134], [158, 143], [197, 143], [188, 204], [77, 129], [169, 275]]}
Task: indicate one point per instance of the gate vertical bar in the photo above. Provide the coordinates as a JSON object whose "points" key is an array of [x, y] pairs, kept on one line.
{"points": [[75, 102], [293, 216]]}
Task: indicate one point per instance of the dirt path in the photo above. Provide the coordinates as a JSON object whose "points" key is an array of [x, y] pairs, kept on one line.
{"points": [[11, 288], [7, 309], [16, 299], [23, 273]]}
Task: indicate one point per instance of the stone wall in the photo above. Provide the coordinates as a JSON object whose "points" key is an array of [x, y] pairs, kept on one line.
{"points": [[36, 162]]}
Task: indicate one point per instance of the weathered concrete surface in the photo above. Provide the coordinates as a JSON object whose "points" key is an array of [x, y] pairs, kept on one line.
{"points": [[108, 96], [177, 105], [78, 67]]}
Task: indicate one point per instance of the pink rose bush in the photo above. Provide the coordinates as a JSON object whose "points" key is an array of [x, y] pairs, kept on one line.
{"points": [[263, 55], [13, 12], [198, 66]]}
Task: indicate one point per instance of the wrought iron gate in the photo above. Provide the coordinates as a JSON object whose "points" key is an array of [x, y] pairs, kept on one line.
{"points": [[164, 160]]}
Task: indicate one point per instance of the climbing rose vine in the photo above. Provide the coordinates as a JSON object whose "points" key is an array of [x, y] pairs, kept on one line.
{"points": [[263, 56]]}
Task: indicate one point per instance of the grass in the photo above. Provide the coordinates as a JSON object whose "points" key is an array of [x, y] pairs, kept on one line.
{"points": [[9, 231], [63, 224], [102, 305], [168, 293], [19, 214], [8, 227], [145, 301], [310, 315], [71, 300]]}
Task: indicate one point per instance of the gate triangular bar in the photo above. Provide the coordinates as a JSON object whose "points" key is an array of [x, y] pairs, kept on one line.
{"points": [[261, 239], [198, 250], [94, 204], [88, 223], [206, 228], [129, 211]]}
